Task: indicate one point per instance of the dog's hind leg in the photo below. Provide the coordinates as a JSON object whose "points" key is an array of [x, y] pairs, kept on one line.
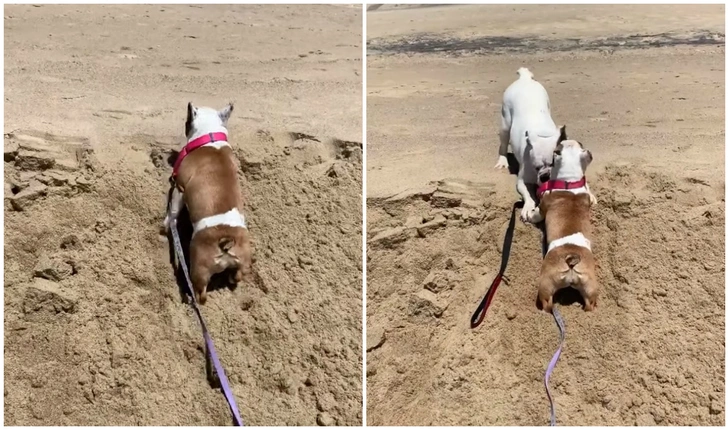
{"points": [[592, 197], [200, 278], [176, 201], [505, 137], [546, 291], [589, 290]]}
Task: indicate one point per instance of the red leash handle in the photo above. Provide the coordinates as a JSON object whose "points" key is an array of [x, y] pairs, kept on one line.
{"points": [[479, 313]]}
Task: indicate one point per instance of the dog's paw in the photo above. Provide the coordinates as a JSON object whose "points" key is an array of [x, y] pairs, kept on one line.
{"points": [[534, 216], [590, 305], [547, 305], [526, 211], [165, 225], [502, 163], [592, 199]]}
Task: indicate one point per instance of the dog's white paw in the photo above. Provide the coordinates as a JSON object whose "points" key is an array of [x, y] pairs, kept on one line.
{"points": [[528, 208], [534, 217], [502, 163], [592, 199], [165, 225]]}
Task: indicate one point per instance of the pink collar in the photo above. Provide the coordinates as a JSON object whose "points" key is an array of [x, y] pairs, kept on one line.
{"points": [[557, 184], [191, 146]]}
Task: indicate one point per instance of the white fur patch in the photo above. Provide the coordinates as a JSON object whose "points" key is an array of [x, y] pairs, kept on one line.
{"points": [[218, 144], [231, 218], [580, 190], [577, 239]]}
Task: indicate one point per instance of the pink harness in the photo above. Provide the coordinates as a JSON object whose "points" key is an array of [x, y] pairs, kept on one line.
{"points": [[560, 185], [200, 141]]}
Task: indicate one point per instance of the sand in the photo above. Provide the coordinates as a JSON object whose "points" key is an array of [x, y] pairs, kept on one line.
{"points": [[96, 332], [643, 88]]}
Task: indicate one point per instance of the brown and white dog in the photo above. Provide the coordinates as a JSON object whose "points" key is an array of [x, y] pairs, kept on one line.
{"points": [[206, 181], [565, 203]]}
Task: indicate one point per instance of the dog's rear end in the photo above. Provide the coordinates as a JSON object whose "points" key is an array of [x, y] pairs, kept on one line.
{"points": [[217, 250]]}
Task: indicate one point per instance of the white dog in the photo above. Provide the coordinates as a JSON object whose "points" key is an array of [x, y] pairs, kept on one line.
{"points": [[527, 125]]}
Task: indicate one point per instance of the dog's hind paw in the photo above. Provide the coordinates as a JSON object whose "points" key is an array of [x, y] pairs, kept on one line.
{"points": [[502, 163], [547, 305]]}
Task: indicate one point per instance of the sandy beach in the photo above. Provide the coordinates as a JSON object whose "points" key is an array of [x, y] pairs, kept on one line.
{"points": [[95, 101], [643, 88]]}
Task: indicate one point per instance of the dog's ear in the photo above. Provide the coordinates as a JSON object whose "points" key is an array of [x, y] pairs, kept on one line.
{"points": [[191, 115], [586, 156], [191, 111], [562, 133], [225, 113]]}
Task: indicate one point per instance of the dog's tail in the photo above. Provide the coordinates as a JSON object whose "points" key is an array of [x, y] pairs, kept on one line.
{"points": [[225, 244], [572, 276], [524, 73], [227, 258], [572, 260]]}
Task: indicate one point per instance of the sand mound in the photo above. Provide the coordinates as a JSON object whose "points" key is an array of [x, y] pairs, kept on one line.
{"points": [[651, 354], [95, 330]]}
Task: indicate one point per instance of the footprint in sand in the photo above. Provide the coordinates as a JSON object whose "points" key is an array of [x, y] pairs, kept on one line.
{"points": [[113, 113]]}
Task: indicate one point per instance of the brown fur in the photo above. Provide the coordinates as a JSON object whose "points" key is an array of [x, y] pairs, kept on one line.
{"points": [[215, 250], [565, 214], [208, 179]]}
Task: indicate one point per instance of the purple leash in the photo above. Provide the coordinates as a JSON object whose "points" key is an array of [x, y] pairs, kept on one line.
{"points": [[562, 334], [208, 340], [479, 314], [554, 360]]}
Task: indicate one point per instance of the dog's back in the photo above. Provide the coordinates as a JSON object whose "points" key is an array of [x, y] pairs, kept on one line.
{"points": [[526, 108], [211, 176], [526, 95], [566, 213], [524, 73]]}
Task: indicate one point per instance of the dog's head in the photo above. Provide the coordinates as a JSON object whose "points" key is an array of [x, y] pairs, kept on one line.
{"points": [[570, 159], [541, 153], [205, 119]]}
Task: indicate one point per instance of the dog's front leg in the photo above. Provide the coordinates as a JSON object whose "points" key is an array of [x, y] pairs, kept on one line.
{"points": [[592, 197], [504, 136], [528, 203], [176, 201]]}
